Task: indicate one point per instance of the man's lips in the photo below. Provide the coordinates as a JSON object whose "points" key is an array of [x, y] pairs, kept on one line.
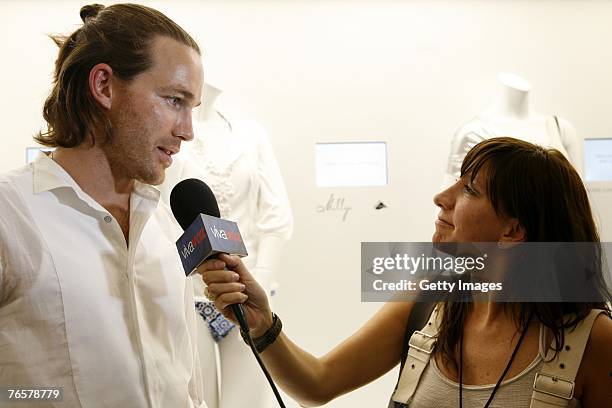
{"points": [[443, 222], [169, 150], [165, 155]]}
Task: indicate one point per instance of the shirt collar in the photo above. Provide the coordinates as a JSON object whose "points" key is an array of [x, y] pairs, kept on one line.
{"points": [[147, 191], [48, 175]]}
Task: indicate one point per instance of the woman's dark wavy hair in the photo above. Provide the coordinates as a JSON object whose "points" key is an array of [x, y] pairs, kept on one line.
{"points": [[540, 188], [120, 36]]}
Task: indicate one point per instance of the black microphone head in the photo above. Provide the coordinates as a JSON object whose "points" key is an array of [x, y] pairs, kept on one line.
{"points": [[190, 198]]}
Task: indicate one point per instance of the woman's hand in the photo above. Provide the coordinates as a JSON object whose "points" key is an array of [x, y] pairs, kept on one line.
{"points": [[234, 285]]}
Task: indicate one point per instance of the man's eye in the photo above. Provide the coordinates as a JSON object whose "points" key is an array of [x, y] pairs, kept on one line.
{"points": [[174, 101]]}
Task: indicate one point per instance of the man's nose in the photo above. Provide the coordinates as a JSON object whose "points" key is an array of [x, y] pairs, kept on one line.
{"points": [[184, 128]]}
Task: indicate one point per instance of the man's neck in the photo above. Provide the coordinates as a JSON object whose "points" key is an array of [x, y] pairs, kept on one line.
{"points": [[96, 178]]}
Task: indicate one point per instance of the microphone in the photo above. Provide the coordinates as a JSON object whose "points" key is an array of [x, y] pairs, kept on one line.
{"points": [[206, 235]]}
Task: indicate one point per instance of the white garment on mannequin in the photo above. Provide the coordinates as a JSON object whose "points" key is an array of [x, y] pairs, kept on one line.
{"points": [[510, 115], [233, 156]]}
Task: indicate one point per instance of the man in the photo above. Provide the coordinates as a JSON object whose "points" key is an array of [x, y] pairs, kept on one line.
{"points": [[93, 299]]}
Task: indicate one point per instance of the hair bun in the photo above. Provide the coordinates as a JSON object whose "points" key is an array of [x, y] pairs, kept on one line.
{"points": [[90, 11]]}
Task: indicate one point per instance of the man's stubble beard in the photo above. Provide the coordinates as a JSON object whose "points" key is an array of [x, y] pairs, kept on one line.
{"points": [[130, 149], [129, 154]]}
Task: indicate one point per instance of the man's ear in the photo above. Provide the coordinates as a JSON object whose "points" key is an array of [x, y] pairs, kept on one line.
{"points": [[100, 84]]}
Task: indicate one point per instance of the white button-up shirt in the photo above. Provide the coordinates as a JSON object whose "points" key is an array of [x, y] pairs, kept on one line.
{"points": [[110, 323]]}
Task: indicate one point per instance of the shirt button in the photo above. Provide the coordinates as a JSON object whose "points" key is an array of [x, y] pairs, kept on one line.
{"points": [[108, 218]]}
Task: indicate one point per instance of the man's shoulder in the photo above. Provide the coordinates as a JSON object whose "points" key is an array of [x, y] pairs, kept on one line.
{"points": [[11, 181], [12, 202], [14, 175]]}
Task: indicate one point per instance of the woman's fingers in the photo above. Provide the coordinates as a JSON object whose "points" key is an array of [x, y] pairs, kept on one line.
{"points": [[210, 265], [218, 276], [232, 261], [226, 299], [235, 264], [217, 289], [212, 272]]}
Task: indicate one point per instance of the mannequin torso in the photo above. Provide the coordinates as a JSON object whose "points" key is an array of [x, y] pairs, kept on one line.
{"points": [[510, 115]]}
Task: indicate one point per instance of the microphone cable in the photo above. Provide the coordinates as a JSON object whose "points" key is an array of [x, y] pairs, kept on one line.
{"points": [[244, 326]]}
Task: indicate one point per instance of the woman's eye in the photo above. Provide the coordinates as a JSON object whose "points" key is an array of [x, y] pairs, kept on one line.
{"points": [[468, 189]]}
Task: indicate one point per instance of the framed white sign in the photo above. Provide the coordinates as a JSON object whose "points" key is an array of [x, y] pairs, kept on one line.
{"points": [[32, 152], [598, 159], [351, 164]]}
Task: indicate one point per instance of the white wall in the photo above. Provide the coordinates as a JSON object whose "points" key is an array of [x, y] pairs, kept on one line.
{"points": [[405, 72]]}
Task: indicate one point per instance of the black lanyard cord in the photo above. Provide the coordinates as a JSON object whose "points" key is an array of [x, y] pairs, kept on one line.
{"points": [[518, 345]]}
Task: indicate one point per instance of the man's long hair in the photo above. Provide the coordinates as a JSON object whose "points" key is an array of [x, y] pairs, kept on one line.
{"points": [[120, 36]]}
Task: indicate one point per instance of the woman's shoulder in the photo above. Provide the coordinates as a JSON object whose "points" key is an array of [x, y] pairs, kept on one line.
{"points": [[593, 378], [598, 348]]}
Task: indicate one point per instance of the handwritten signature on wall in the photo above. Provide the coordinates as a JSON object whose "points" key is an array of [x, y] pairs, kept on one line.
{"points": [[335, 205]]}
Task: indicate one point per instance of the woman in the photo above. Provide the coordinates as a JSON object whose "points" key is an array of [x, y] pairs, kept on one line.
{"points": [[510, 191]]}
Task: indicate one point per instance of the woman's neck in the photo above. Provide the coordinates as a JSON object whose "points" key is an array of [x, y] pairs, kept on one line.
{"points": [[488, 312]]}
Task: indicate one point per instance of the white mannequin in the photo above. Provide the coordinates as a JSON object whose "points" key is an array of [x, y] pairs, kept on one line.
{"points": [[510, 115], [233, 156]]}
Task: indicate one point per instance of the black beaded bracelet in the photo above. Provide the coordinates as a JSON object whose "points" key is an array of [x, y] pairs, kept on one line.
{"points": [[262, 342]]}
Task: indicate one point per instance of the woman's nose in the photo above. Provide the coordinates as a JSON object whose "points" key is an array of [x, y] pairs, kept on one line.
{"points": [[444, 199]]}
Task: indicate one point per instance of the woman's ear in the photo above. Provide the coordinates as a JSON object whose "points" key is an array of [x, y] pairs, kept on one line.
{"points": [[514, 231]]}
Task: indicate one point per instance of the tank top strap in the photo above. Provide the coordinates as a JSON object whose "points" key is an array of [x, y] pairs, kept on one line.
{"points": [[420, 348], [554, 383]]}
